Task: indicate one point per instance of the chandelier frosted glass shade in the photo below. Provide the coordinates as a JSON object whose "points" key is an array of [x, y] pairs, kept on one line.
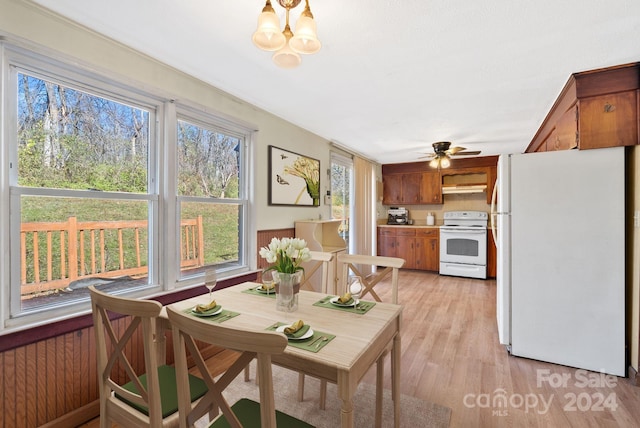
{"points": [[287, 57], [440, 161], [268, 36], [305, 39]]}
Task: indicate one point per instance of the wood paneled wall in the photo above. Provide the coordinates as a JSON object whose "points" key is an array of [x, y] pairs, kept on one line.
{"points": [[45, 381], [265, 237]]}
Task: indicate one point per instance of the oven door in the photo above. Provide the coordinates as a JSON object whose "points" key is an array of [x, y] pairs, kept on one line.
{"points": [[463, 245]]}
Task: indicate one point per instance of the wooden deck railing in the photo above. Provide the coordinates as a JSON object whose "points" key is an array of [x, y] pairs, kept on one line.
{"points": [[54, 254]]}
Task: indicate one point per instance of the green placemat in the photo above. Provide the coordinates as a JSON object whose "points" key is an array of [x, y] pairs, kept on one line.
{"points": [[313, 344], [253, 290], [362, 308], [223, 316]]}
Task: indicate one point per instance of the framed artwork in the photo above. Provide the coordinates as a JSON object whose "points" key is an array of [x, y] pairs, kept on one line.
{"points": [[293, 179]]}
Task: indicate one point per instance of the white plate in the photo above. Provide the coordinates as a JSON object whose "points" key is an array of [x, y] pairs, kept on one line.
{"points": [[334, 301], [307, 335], [259, 289], [206, 314]]}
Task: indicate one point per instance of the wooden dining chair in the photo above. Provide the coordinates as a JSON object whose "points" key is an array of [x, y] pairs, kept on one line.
{"points": [[135, 390], [260, 344], [319, 262], [380, 268]]}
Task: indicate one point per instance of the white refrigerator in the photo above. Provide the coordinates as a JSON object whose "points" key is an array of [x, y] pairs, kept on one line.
{"points": [[559, 224]]}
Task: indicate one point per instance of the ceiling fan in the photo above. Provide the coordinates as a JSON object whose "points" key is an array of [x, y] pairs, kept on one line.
{"points": [[442, 153]]}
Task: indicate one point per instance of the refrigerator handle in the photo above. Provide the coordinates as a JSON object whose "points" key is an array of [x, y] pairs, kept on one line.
{"points": [[494, 212]]}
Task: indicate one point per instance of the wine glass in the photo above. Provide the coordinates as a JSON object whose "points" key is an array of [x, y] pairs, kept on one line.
{"points": [[355, 287], [210, 280], [267, 281]]}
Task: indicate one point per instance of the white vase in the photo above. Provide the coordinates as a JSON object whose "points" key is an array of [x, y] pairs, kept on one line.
{"points": [[287, 288]]}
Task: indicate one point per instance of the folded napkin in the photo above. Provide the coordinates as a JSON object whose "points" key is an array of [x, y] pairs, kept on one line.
{"points": [[204, 308], [345, 299], [296, 329]]}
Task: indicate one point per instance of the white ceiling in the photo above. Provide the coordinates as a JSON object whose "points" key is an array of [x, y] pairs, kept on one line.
{"points": [[392, 77]]}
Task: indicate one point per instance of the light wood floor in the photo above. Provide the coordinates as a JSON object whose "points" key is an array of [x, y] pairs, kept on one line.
{"points": [[451, 356]]}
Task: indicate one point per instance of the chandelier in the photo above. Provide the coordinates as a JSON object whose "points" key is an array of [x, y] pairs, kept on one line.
{"points": [[287, 45]]}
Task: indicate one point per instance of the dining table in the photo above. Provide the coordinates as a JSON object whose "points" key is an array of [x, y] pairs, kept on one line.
{"points": [[341, 345]]}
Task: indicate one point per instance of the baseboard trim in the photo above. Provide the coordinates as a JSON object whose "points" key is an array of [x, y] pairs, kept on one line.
{"points": [[77, 417]]}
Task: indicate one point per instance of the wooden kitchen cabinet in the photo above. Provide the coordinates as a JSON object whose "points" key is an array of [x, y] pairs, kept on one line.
{"points": [[427, 249], [406, 246], [596, 109], [411, 184], [386, 242], [415, 183], [565, 135], [392, 189], [411, 188], [491, 256], [430, 188], [417, 246], [609, 121]]}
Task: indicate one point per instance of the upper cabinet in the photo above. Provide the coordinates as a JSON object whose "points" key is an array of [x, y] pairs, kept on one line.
{"points": [[411, 188], [415, 183], [431, 188], [596, 109], [609, 121]]}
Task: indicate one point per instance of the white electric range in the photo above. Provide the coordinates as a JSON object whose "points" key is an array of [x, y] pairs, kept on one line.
{"points": [[463, 244]]}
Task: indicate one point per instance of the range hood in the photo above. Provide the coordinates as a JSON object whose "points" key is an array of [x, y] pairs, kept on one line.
{"points": [[449, 189]]}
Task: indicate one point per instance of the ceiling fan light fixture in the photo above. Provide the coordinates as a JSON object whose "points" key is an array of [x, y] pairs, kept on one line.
{"points": [[445, 162], [268, 36], [435, 162]]}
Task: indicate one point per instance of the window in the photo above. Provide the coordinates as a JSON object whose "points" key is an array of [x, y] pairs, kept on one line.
{"points": [[211, 193], [81, 195], [84, 200], [341, 171]]}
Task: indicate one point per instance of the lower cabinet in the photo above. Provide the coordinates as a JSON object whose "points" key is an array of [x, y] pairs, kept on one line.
{"points": [[491, 256], [419, 247], [427, 249]]}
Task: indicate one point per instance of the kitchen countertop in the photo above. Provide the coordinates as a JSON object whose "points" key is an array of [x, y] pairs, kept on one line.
{"points": [[421, 226]]}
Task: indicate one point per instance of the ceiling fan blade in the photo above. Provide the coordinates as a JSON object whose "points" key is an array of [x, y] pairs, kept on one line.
{"points": [[454, 150], [466, 153]]}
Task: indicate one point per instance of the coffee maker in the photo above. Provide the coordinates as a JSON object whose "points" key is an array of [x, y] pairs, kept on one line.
{"points": [[397, 215]]}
